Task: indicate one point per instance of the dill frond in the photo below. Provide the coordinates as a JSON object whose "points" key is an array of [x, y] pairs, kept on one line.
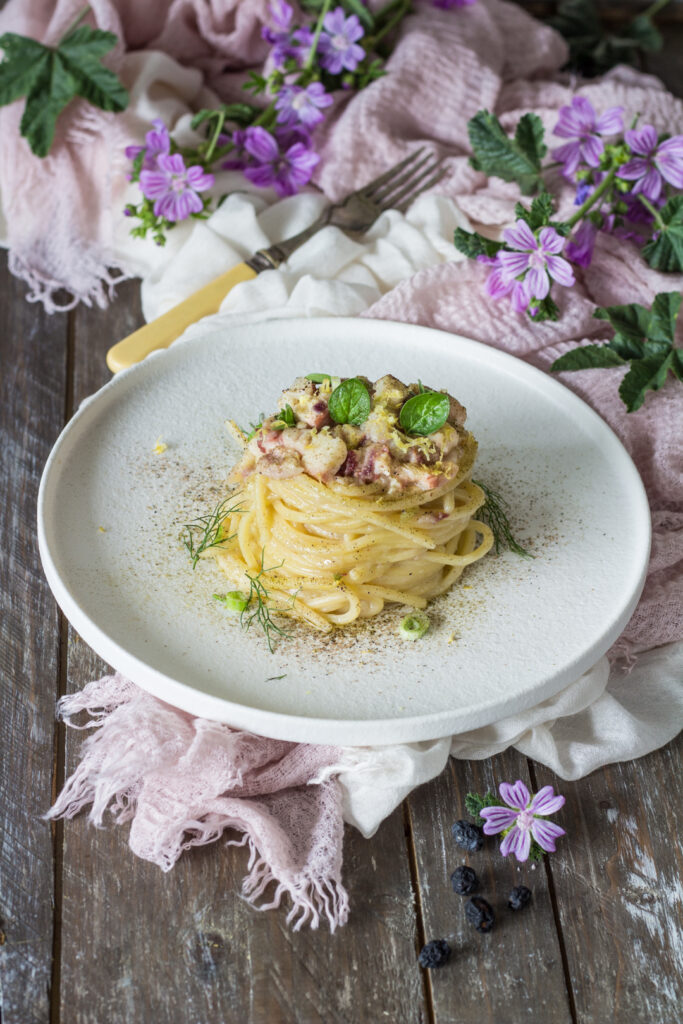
{"points": [[257, 609], [206, 531], [493, 514]]}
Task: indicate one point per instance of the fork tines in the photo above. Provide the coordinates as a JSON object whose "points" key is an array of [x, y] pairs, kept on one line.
{"points": [[396, 189]]}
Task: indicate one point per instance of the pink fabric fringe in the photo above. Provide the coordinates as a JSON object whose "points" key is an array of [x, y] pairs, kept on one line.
{"points": [[183, 781]]}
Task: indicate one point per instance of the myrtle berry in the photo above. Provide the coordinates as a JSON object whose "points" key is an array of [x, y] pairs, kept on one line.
{"points": [[467, 835], [435, 954], [464, 880], [479, 913], [519, 897]]}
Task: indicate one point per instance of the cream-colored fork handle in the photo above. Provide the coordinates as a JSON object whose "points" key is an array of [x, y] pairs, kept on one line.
{"points": [[163, 331]]}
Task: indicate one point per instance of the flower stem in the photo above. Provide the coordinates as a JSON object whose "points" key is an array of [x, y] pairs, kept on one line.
{"points": [[310, 60], [265, 119], [593, 198], [220, 121], [654, 9], [653, 210], [402, 9], [77, 20]]}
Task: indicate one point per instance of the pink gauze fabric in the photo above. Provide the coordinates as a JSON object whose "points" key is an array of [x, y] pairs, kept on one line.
{"points": [[72, 188], [183, 781]]}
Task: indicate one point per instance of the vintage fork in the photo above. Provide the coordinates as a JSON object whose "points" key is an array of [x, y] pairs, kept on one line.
{"points": [[395, 189]]}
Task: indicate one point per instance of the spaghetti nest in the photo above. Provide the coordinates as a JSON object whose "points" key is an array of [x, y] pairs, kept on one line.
{"points": [[337, 551]]}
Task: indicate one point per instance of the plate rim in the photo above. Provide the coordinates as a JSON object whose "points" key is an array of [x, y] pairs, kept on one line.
{"points": [[298, 728]]}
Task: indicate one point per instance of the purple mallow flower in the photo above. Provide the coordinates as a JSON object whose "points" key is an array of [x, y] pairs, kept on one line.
{"points": [[580, 246], [175, 188], [580, 123], [653, 163], [448, 5], [338, 44], [285, 42], [238, 158], [284, 161], [526, 272], [294, 104], [157, 143], [519, 820]]}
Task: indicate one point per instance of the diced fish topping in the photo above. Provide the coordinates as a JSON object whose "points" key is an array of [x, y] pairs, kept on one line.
{"points": [[377, 451]]}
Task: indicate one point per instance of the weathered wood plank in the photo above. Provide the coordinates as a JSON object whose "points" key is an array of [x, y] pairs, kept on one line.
{"points": [[515, 973], [618, 889], [138, 944], [33, 359]]}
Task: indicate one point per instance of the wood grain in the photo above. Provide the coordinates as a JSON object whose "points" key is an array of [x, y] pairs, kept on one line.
{"points": [[137, 944], [619, 892], [514, 973], [33, 359]]}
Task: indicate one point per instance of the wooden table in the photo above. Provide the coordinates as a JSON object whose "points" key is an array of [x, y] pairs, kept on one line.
{"points": [[91, 935]]}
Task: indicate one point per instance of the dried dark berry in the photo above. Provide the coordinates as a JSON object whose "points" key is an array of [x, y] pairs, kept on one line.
{"points": [[519, 897], [435, 954], [464, 880], [468, 836], [479, 913]]}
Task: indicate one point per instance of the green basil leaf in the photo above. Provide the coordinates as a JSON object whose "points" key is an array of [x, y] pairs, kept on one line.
{"points": [[318, 378], [350, 402], [425, 413]]}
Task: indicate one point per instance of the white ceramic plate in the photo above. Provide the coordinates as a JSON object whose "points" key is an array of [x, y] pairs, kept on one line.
{"points": [[111, 512]]}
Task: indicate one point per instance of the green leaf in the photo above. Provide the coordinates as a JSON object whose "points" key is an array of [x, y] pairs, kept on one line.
{"points": [[472, 244], [474, 804], [588, 357], [425, 413], [50, 94], [241, 114], [677, 363], [318, 378], [350, 402], [285, 419], [255, 83], [517, 159], [51, 77], [644, 375], [642, 32], [665, 309], [666, 251], [536, 852], [542, 209], [24, 63], [358, 8], [593, 49], [82, 52], [545, 309], [631, 325]]}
